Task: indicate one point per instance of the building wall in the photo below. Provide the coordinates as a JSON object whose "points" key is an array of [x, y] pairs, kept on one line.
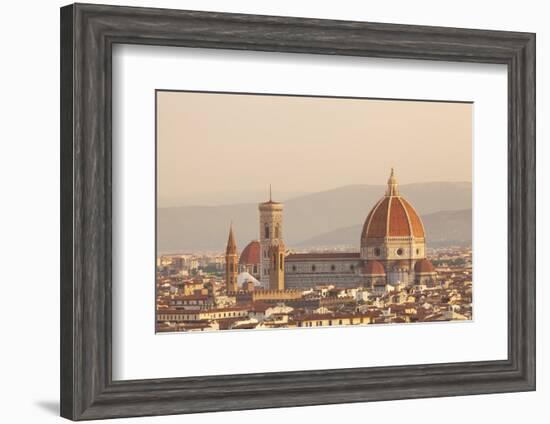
{"points": [[269, 295], [311, 272], [397, 254], [382, 249], [307, 273], [333, 321]]}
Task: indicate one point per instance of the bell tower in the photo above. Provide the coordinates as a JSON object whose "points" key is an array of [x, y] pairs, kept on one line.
{"points": [[277, 271], [231, 263], [272, 248]]}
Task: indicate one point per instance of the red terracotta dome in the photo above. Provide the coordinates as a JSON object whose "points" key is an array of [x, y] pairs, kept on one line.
{"points": [[374, 268], [251, 254], [392, 216], [424, 266]]}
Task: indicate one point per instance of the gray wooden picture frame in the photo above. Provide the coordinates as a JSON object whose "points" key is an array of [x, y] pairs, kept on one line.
{"points": [[88, 33]]}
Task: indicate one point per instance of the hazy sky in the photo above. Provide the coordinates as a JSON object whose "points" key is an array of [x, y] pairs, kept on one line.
{"points": [[223, 143]]}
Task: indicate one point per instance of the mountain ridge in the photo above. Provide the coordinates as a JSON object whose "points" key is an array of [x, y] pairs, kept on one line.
{"points": [[196, 228]]}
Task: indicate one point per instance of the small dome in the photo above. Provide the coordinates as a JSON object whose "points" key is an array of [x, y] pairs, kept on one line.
{"points": [[424, 266], [250, 254], [374, 268]]}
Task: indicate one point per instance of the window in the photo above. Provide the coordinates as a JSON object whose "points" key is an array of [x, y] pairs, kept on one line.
{"points": [[399, 252], [281, 261], [333, 268], [266, 231], [313, 268], [255, 271], [293, 267], [276, 231], [352, 267], [376, 251], [417, 251]]}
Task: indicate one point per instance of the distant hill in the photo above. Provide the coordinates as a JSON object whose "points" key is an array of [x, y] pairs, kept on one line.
{"points": [[442, 228], [194, 228]]}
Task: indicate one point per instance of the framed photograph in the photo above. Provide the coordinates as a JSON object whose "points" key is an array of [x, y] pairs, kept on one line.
{"points": [[262, 211]]}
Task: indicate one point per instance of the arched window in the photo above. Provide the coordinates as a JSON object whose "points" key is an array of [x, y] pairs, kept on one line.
{"points": [[281, 261], [313, 268], [266, 231], [276, 231]]}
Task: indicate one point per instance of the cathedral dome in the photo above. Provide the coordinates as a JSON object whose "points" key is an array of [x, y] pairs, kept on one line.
{"points": [[423, 266], [374, 268], [251, 254], [392, 216]]}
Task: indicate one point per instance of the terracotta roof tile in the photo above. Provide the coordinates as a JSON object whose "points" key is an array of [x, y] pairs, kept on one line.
{"points": [[417, 227], [374, 268], [398, 222], [392, 217], [423, 265], [251, 254], [376, 227]]}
